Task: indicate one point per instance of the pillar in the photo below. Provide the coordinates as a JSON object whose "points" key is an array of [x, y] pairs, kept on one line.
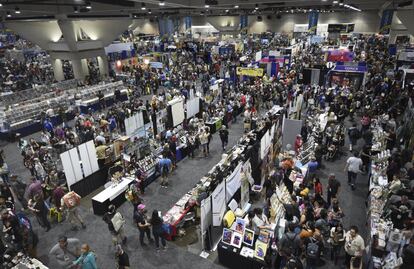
{"points": [[103, 65], [58, 69], [85, 68], [78, 71]]}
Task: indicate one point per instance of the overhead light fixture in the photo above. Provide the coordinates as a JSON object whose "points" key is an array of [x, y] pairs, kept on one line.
{"points": [[75, 10], [161, 3], [88, 5], [17, 10], [8, 14], [353, 8], [149, 11], [143, 7], [341, 2], [256, 7], [236, 6], [227, 10], [206, 6], [1, 4]]}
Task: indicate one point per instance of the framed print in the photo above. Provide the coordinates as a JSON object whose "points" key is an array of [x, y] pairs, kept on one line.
{"points": [[248, 237], [227, 236], [260, 250], [264, 236], [240, 225], [236, 239]]}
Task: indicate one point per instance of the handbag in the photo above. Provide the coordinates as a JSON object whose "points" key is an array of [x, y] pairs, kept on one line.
{"points": [[117, 221]]}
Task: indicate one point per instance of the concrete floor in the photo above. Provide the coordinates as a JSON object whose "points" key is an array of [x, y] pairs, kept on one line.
{"points": [[188, 173]]}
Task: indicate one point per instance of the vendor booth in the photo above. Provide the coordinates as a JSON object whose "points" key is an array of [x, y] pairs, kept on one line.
{"points": [[347, 74]]}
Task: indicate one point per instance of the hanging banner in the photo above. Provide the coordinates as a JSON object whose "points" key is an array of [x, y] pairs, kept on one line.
{"points": [[188, 22], [243, 21], [313, 21], [386, 21], [233, 183], [250, 72]]}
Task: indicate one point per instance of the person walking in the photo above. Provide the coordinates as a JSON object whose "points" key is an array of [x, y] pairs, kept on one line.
{"points": [[87, 259], [333, 188], [142, 223], [224, 137], [204, 141], [354, 135], [70, 203], [165, 165], [354, 245], [313, 247], [353, 167], [38, 207], [122, 258], [115, 223], [157, 230], [65, 251]]}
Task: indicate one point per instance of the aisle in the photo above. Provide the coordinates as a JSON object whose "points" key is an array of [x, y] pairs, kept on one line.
{"points": [[187, 174]]}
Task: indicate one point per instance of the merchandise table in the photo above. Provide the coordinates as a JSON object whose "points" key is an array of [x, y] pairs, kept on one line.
{"points": [[94, 102], [176, 214], [114, 194], [230, 257]]}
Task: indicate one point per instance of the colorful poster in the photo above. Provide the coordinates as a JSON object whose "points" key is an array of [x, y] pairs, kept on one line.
{"points": [[260, 250], [227, 236], [236, 240], [250, 72], [248, 237], [386, 21], [343, 55]]}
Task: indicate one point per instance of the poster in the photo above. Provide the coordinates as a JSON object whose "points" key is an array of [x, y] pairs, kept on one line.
{"points": [[248, 237], [260, 250], [219, 204], [233, 182], [240, 225], [236, 239], [227, 236], [250, 72]]}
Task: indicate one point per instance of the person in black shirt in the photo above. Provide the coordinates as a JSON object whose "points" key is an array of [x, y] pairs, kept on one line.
{"points": [[122, 257], [224, 136], [400, 212], [143, 225], [333, 188]]}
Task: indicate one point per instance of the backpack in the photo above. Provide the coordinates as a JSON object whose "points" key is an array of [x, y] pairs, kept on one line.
{"points": [[24, 221], [312, 250], [294, 263], [289, 247]]}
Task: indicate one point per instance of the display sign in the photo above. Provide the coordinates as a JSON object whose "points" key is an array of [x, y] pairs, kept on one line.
{"points": [[233, 182], [386, 21], [351, 67], [157, 65], [341, 55], [341, 28], [250, 72], [219, 203]]}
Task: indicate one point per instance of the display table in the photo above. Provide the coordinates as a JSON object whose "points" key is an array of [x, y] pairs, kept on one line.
{"points": [[114, 194], [176, 214], [93, 103], [230, 257]]}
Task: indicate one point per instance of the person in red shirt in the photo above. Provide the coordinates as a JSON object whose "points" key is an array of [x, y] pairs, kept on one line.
{"points": [[317, 185]]}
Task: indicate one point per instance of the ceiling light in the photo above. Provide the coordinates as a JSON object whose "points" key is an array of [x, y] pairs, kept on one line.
{"points": [[161, 3], [8, 14], [335, 2], [149, 11], [75, 10], [236, 6], [1, 4], [17, 10], [227, 10], [353, 8], [143, 7], [341, 2], [324, 0], [206, 6], [257, 7], [88, 5]]}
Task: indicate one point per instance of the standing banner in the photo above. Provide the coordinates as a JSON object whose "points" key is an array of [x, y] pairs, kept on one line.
{"points": [[219, 203], [313, 22], [386, 21], [233, 182]]}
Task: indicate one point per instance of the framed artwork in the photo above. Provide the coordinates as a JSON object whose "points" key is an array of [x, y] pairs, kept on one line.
{"points": [[248, 237], [236, 239], [227, 236], [260, 250], [240, 225], [263, 236]]}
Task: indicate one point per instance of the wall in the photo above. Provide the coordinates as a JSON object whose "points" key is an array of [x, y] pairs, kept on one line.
{"points": [[144, 26], [365, 22]]}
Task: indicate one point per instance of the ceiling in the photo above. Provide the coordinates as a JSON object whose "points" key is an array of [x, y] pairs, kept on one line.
{"points": [[47, 9]]}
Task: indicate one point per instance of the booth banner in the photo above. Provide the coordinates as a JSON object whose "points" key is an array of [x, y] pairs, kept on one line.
{"points": [[233, 182], [244, 19], [188, 22], [351, 68], [386, 21], [313, 21], [219, 203], [342, 55], [250, 72], [157, 65]]}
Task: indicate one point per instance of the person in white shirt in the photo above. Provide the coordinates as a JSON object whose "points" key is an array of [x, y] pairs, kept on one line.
{"points": [[259, 221], [353, 167], [354, 245]]}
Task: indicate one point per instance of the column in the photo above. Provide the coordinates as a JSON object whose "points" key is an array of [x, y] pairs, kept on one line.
{"points": [[78, 69], [58, 69], [85, 68], [103, 65]]}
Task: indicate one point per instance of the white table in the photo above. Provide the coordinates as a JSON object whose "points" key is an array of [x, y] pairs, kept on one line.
{"points": [[113, 194]]}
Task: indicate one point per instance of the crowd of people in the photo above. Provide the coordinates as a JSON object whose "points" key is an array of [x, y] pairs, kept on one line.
{"points": [[315, 227]]}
